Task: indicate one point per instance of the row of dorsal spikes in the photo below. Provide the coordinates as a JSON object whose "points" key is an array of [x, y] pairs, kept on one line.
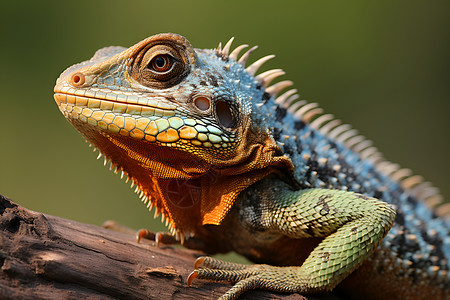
{"points": [[333, 128]]}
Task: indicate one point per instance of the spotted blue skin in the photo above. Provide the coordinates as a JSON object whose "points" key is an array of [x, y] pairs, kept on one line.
{"points": [[296, 138]]}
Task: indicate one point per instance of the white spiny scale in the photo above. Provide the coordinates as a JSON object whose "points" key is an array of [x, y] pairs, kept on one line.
{"points": [[346, 135], [105, 161], [226, 48], [275, 89], [302, 110], [234, 55], [423, 187], [412, 181], [246, 55], [363, 145], [156, 213], [136, 190], [122, 174], [162, 218], [111, 166], [93, 150], [141, 194], [351, 142], [387, 167], [254, 67], [375, 158], [181, 237], [426, 190], [338, 130], [366, 153], [330, 125], [443, 209], [401, 173], [294, 107], [167, 221], [219, 48], [132, 183], [283, 97], [290, 100], [99, 155], [317, 123], [308, 116], [267, 77]]}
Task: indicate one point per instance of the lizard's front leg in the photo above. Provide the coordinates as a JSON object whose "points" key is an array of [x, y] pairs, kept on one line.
{"points": [[351, 224]]}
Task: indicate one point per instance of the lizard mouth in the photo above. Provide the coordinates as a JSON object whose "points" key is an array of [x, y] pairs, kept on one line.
{"points": [[152, 121], [137, 117]]}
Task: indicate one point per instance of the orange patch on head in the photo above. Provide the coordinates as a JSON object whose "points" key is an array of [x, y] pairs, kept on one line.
{"points": [[151, 129], [168, 136], [187, 132]]}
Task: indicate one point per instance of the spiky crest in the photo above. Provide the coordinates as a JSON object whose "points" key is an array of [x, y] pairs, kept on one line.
{"points": [[312, 114]]}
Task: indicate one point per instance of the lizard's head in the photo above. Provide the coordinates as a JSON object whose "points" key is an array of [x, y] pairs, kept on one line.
{"points": [[178, 121]]}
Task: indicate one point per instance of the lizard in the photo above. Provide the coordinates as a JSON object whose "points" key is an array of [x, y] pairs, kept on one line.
{"points": [[235, 162]]}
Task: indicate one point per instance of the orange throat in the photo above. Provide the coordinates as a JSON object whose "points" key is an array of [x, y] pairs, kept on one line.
{"points": [[185, 188]]}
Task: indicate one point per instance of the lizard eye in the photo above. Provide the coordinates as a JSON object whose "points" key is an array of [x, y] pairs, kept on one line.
{"points": [[159, 66], [161, 63]]}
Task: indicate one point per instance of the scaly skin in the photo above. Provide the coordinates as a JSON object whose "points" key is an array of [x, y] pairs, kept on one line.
{"points": [[233, 167]]}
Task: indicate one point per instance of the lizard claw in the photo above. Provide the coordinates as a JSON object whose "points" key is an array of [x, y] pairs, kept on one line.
{"points": [[144, 234], [199, 261], [158, 237], [191, 277]]}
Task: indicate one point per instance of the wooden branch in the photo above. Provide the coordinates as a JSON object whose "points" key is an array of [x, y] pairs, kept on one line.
{"points": [[47, 257]]}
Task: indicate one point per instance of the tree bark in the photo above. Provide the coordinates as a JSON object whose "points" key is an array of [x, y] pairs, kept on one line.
{"points": [[47, 257]]}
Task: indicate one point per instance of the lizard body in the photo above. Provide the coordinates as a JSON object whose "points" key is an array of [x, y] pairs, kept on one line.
{"points": [[233, 164]]}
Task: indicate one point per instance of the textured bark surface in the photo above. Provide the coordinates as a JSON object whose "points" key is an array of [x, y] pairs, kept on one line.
{"points": [[47, 257]]}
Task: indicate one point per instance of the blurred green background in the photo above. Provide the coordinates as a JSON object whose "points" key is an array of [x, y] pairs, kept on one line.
{"points": [[382, 66]]}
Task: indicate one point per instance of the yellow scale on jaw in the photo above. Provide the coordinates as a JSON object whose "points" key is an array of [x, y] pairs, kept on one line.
{"points": [[165, 130]]}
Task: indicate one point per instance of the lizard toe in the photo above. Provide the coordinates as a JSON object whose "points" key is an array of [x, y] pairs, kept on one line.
{"points": [[249, 277], [214, 263]]}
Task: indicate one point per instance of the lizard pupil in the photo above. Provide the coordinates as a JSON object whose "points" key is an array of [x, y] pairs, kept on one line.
{"points": [[161, 63]]}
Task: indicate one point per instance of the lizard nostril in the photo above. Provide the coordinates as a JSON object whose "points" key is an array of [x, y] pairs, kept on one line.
{"points": [[77, 79], [202, 103]]}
